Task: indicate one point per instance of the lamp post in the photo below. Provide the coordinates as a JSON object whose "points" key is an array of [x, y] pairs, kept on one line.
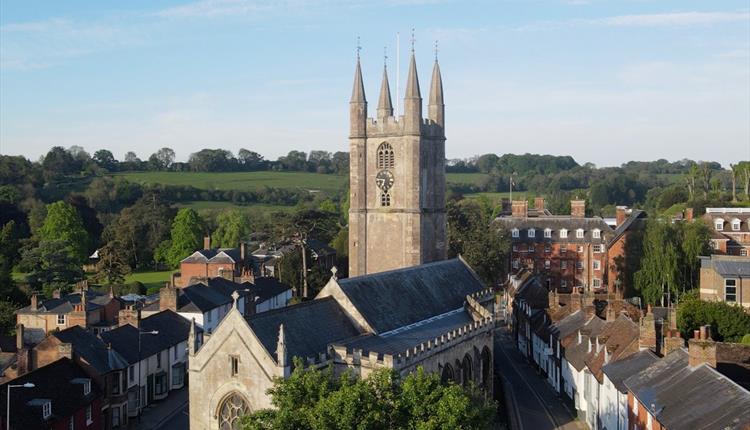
{"points": [[26, 385], [140, 400]]}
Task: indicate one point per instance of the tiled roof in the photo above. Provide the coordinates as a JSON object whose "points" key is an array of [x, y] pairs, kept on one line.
{"points": [[568, 325], [557, 223], [309, 327], [65, 304], [534, 293], [397, 298], [618, 371], [92, 349], [53, 382], [728, 266]]}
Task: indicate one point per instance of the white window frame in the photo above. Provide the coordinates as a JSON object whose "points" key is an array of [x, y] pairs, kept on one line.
{"points": [[87, 387], [89, 416], [547, 264], [727, 294], [548, 232], [531, 232], [563, 283], [563, 248], [579, 265], [514, 232], [743, 252], [564, 264], [515, 248], [596, 283], [579, 233], [547, 249], [596, 265], [719, 224], [598, 248], [516, 263], [736, 224], [563, 233], [64, 318], [579, 248], [47, 410], [597, 234], [531, 249]]}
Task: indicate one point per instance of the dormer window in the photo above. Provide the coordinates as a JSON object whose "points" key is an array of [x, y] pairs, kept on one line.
{"points": [[46, 410], [736, 224], [597, 233], [563, 233], [579, 233], [532, 232], [86, 388], [719, 224], [514, 232], [547, 232]]}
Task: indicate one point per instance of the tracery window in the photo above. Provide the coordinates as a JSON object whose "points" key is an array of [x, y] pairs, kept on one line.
{"points": [[386, 157], [385, 199], [232, 409]]}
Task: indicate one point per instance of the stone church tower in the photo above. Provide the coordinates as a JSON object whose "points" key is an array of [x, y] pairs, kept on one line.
{"points": [[397, 178]]}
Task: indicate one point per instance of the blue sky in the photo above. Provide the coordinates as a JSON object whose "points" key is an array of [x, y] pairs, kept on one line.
{"points": [[604, 81]]}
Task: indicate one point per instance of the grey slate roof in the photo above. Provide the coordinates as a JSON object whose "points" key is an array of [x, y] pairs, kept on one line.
{"points": [[206, 295], [397, 298], [687, 397], [557, 223], [215, 255], [65, 304], [309, 327], [618, 371], [92, 349], [636, 217], [533, 292], [568, 325], [728, 267], [403, 340], [267, 287]]}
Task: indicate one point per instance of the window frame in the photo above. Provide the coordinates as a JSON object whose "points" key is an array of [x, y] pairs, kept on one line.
{"points": [[531, 232], [514, 232], [563, 264], [736, 224], [234, 366], [727, 293], [548, 233], [596, 265], [579, 233], [64, 319], [563, 233], [596, 283], [46, 410], [596, 233], [719, 224]]}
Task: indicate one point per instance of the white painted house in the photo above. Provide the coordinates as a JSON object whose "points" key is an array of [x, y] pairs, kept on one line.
{"points": [[613, 398]]}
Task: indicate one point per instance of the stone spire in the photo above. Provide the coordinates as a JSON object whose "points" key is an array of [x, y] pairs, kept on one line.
{"points": [[191, 338], [358, 105], [385, 107], [281, 356], [412, 100], [436, 105]]}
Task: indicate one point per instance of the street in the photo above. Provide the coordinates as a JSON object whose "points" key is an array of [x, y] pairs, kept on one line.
{"points": [[535, 406]]}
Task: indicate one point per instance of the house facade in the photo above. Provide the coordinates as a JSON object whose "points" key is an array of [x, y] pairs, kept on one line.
{"points": [[725, 278], [730, 230]]}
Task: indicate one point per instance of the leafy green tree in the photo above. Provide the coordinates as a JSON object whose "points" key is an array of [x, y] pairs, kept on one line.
{"points": [[8, 317], [9, 244], [232, 226], [729, 323], [316, 399], [112, 266], [694, 241], [52, 265], [187, 235], [472, 235], [659, 272], [104, 159], [64, 223]]}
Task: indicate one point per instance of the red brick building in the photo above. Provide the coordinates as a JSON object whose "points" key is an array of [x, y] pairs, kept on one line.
{"points": [[234, 264], [570, 250], [730, 230]]}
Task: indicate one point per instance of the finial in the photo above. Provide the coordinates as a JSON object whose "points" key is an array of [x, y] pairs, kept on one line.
{"points": [[413, 39], [333, 271], [385, 56], [359, 47], [436, 50], [235, 297]]}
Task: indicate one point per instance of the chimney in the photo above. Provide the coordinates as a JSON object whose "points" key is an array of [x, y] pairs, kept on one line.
{"points": [[111, 292], [703, 330], [611, 316], [539, 204], [168, 298], [702, 350], [689, 214], [56, 294], [35, 302], [19, 336], [206, 242], [621, 214], [130, 315], [505, 205], [578, 208], [65, 350], [673, 341], [520, 208], [647, 332], [243, 253]]}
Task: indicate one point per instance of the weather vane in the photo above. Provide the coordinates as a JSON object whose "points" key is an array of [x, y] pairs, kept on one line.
{"points": [[385, 56], [413, 39], [359, 47], [436, 50]]}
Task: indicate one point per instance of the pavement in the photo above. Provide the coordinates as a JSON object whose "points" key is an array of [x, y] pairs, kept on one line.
{"points": [[168, 414], [532, 403]]}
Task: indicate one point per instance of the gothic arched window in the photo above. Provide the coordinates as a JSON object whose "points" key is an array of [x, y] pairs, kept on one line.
{"points": [[467, 374], [385, 199], [447, 375], [231, 410], [386, 158]]}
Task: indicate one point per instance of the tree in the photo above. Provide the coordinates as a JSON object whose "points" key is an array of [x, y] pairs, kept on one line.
{"points": [[131, 157], [694, 241], [729, 323], [658, 274], [165, 156], [250, 160], [104, 159], [316, 399], [232, 226], [472, 235], [52, 265], [64, 223], [58, 162], [112, 266], [9, 243], [8, 317], [187, 234]]}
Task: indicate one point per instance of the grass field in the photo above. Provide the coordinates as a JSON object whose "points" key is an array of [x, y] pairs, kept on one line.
{"points": [[254, 209], [150, 279], [464, 178]]}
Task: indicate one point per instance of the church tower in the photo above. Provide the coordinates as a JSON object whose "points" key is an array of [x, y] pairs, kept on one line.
{"points": [[397, 177]]}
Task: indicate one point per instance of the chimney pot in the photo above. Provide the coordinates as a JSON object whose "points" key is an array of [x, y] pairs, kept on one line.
{"points": [[689, 214], [696, 334], [621, 214], [539, 204], [520, 208], [578, 208], [207, 242], [34, 302], [703, 334]]}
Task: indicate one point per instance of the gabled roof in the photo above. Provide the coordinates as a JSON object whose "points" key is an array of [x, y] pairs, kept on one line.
{"points": [[309, 327], [636, 217], [557, 223], [618, 371], [320, 248], [53, 382], [65, 304], [214, 255], [92, 349], [267, 287], [397, 298], [680, 396], [172, 329], [568, 325], [534, 293]]}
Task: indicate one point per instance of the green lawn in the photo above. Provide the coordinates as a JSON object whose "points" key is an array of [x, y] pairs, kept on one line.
{"points": [[254, 209], [465, 178], [241, 181], [150, 279]]}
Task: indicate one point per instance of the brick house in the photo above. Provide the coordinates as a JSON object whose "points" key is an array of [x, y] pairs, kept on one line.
{"points": [[570, 250], [63, 397], [725, 278], [730, 230], [230, 263]]}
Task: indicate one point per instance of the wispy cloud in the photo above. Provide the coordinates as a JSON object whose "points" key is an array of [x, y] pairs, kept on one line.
{"points": [[672, 19]]}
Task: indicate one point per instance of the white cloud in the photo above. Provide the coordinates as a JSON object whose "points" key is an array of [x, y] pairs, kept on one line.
{"points": [[673, 19]]}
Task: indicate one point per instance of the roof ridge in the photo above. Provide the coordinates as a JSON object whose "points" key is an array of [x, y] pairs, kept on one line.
{"points": [[268, 313], [400, 269]]}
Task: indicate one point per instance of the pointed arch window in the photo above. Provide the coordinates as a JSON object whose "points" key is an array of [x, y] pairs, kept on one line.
{"points": [[385, 199], [386, 157], [231, 411]]}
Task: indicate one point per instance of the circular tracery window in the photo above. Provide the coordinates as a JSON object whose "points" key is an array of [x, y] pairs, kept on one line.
{"points": [[232, 409]]}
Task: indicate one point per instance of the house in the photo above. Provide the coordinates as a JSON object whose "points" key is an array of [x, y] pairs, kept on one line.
{"points": [[268, 293], [154, 349], [434, 315], [569, 250], [683, 390], [725, 278], [102, 364], [63, 397], [322, 254], [87, 308], [9, 346], [234, 264], [613, 397], [730, 230]]}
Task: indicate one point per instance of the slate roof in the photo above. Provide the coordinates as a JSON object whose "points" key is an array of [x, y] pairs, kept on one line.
{"points": [[267, 287], [727, 267], [534, 293], [397, 298], [65, 304], [568, 325], [52, 382], [635, 218], [618, 371], [557, 223], [681, 396], [215, 255], [400, 341], [309, 327], [320, 248], [206, 295], [92, 349], [172, 329]]}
